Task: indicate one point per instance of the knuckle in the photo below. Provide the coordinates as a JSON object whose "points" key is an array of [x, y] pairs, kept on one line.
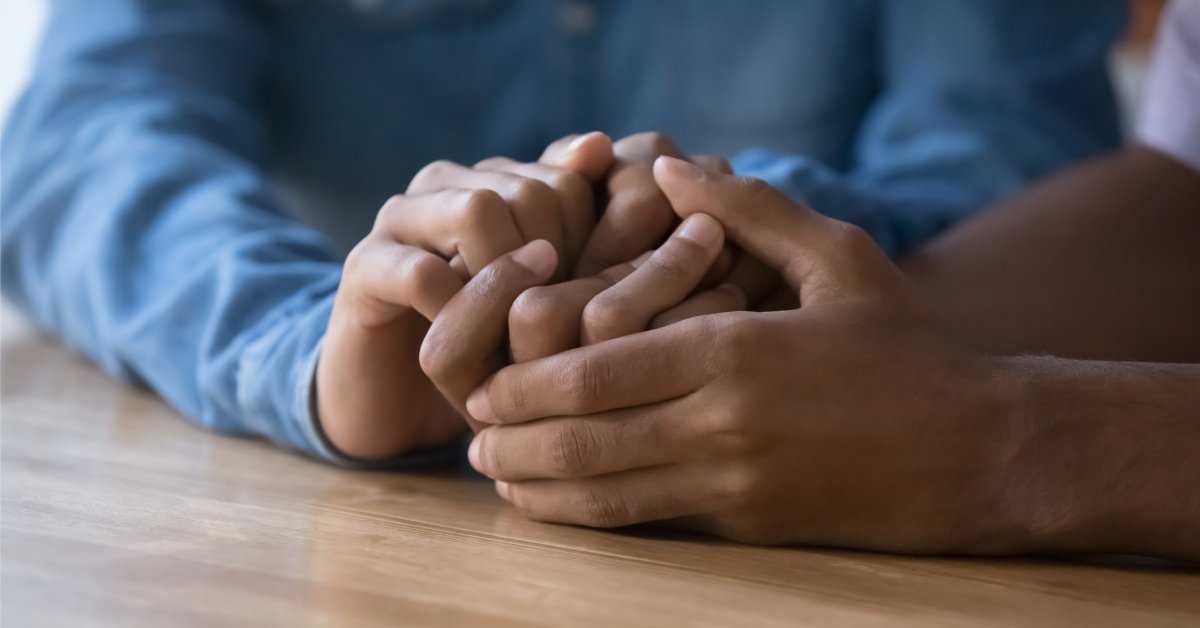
{"points": [[421, 272], [753, 188], [583, 381], [512, 398], [738, 488], [729, 433], [850, 240], [358, 257], [387, 212], [572, 448], [603, 509], [492, 162], [479, 209], [571, 184], [604, 316], [738, 338], [533, 309], [675, 263], [431, 173], [643, 203], [652, 142], [532, 193]]}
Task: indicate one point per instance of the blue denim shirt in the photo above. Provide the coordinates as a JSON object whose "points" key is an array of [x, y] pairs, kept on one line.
{"points": [[181, 178]]}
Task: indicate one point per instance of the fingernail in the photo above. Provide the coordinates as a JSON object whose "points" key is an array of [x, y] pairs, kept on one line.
{"points": [[538, 256], [679, 168], [701, 229], [479, 407], [473, 454], [739, 295], [502, 489]]}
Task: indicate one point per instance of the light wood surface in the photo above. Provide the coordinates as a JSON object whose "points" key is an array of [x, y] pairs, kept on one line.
{"points": [[116, 512]]}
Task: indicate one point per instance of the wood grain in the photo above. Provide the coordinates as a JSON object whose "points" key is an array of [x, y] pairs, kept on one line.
{"points": [[117, 512]]}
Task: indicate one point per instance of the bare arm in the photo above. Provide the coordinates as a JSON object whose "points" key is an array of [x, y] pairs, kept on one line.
{"points": [[1102, 262], [1102, 456]]}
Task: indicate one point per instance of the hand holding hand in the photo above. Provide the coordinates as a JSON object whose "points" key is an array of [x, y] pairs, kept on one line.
{"points": [[850, 421], [373, 399]]}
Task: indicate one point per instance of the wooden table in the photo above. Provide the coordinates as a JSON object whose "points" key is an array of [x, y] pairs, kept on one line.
{"points": [[116, 512]]}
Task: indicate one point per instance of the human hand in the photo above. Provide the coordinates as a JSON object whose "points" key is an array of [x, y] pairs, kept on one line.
{"points": [[373, 400], [850, 421], [637, 217], [655, 290]]}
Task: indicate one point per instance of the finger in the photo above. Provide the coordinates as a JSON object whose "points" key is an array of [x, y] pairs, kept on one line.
{"points": [[719, 269], [645, 147], [575, 447], [534, 206], [590, 154], [460, 267], [633, 370], [475, 224], [661, 282], [465, 343], [755, 279], [713, 163], [817, 256], [618, 499], [576, 199], [724, 298], [636, 219], [544, 320], [387, 279]]}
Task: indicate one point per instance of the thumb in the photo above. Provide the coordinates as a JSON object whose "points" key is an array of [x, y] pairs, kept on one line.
{"points": [[819, 257], [590, 154]]}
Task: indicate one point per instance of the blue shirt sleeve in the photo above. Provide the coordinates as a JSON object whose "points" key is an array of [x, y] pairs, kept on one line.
{"points": [[977, 99], [138, 226]]}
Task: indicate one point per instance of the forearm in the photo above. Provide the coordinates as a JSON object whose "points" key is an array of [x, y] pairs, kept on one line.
{"points": [[1102, 457], [1101, 262], [138, 225]]}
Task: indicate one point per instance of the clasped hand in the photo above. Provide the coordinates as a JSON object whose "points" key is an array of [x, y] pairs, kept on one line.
{"points": [[641, 389]]}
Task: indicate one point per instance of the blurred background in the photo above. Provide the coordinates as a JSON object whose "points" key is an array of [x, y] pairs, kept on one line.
{"points": [[21, 22]]}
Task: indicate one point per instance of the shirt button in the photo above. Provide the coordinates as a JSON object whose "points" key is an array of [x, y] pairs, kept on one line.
{"points": [[577, 18]]}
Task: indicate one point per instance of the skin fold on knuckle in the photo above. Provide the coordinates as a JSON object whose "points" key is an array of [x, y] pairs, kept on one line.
{"points": [[387, 214], [678, 263], [605, 317], [603, 509], [572, 448], [480, 213], [420, 273], [582, 380], [541, 322], [574, 187], [645, 146], [432, 174], [534, 195], [530, 312]]}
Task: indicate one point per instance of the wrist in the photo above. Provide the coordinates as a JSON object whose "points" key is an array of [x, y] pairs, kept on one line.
{"points": [[1000, 503], [1054, 465]]}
